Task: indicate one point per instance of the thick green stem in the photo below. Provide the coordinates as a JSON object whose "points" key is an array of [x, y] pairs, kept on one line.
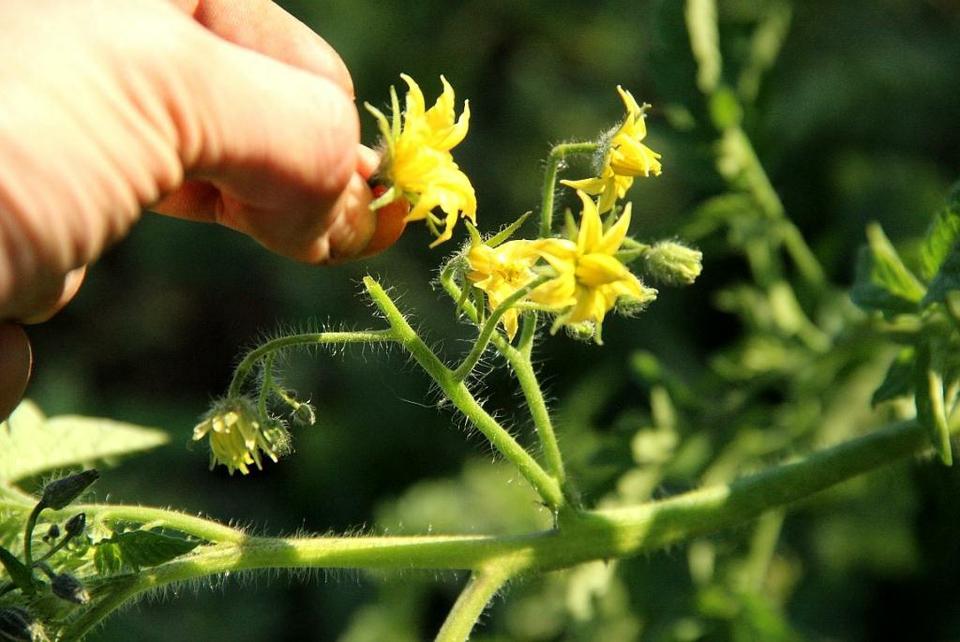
{"points": [[591, 535], [554, 160], [28, 534], [476, 595], [461, 397], [246, 366]]}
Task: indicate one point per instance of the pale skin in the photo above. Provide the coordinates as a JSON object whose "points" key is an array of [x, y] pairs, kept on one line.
{"points": [[226, 111]]}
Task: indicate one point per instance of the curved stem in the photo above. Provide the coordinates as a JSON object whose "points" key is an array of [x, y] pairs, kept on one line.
{"points": [[28, 534], [490, 326], [554, 160], [476, 595], [245, 367], [461, 397]]}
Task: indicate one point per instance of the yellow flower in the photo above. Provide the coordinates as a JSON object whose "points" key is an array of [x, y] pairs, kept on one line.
{"points": [[418, 165], [238, 439], [626, 157], [502, 270], [590, 279]]}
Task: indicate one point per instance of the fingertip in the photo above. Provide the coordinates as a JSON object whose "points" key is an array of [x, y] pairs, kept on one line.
{"points": [[368, 161], [353, 223], [16, 360], [71, 285]]}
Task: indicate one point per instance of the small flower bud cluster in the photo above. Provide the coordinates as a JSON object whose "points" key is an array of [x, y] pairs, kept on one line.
{"points": [[673, 263]]}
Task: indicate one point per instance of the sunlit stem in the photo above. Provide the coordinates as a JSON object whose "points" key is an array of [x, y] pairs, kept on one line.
{"points": [[519, 359], [461, 397], [554, 161], [307, 339], [591, 535], [28, 534], [476, 595], [490, 326]]}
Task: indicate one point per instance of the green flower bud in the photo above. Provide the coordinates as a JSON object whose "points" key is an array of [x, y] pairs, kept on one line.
{"points": [[69, 588], [52, 533], [674, 263], [76, 524], [18, 625], [60, 493]]}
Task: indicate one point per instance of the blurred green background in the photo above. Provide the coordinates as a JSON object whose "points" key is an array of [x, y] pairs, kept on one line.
{"points": [[857, 120]]}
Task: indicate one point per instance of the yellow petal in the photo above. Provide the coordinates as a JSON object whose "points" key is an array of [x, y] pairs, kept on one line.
{"points": [[594, 270], [614, 237], [591, 229]]}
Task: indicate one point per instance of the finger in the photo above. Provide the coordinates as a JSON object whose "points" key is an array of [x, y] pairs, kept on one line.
{"points": [[68, 290], [263, 26], [15, 363], [279, 144], [368, 161]]}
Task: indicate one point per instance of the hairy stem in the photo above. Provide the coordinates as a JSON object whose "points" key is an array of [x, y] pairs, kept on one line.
{"points": [[461, 397], [580, 537], [554, 161], [476, 595], [489, 327], [246, 366]]}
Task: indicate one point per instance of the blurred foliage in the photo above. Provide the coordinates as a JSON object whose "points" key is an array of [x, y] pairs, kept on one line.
{"points": [[852, 108]]}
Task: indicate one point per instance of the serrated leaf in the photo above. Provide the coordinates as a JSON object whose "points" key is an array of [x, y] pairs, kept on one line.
{"points": [[18, 571], [106, 558], [931, 412], [31, 443], [140, 548], [941, 237], [882, 281], [899, 381]]}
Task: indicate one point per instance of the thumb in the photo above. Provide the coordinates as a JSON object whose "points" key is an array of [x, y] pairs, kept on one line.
{"points": [[15, 362], [270, 150]]}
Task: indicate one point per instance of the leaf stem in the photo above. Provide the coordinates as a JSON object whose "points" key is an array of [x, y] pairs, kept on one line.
{"points": [[477, 594], [245, 367], [555, 159]]}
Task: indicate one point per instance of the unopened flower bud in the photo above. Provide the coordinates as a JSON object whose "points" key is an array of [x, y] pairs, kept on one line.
{"points": [[76, 524], [52, 533], [672, 262], [69, 588], [60, 493], [17, 624]]}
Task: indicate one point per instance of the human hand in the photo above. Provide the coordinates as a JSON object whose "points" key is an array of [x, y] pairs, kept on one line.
{"points": [[227, 111]]}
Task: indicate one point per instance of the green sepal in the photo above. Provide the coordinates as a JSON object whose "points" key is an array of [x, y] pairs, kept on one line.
{"points": [[931, 412], [899, 381], [19, 574], [882, 281], [941, 238], [508, 231]]}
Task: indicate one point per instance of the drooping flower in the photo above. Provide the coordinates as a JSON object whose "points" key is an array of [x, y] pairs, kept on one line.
{"points": [[502, 270], [417, 164], [590, 279], [238, 439], [626, 157]]}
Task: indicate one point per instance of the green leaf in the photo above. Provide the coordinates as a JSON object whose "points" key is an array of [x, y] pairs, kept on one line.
{"points": [[882, 281], [899, 381], [18, 571], [946, 280], [940, 240], [31, 443], [138, 549], [931, 412]]}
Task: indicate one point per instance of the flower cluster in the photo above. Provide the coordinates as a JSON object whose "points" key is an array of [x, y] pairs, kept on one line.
{"points": [[625, 157], [417, 164], [238, 438], [587, 279]]}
